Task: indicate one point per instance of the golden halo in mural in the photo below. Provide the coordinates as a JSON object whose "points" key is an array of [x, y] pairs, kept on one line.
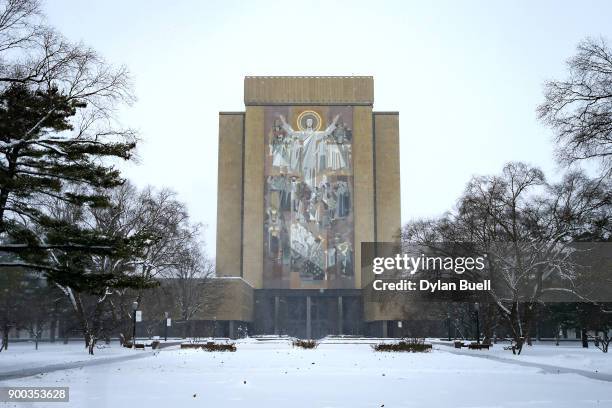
{"points": [[302, 120]]}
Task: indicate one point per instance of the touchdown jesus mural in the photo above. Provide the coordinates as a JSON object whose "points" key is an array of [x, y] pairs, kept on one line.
{"points": [[308, 228]]}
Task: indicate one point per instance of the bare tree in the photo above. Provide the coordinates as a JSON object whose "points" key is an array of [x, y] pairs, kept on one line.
{"points": [[57, 123], [157, 236], [527, 228], [192, 285], [579, 108], [20, 24], [164, 222]]}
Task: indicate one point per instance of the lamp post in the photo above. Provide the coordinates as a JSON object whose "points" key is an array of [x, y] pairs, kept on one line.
{"points": [[448, 320], [166, 327], [134, 308], [476, 309]]}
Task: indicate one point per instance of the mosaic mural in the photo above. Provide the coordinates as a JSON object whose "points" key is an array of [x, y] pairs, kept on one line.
{"points": [[308, 228]]}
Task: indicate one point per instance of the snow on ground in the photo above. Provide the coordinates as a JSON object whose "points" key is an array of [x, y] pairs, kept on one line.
{"points": [[568, 354], [23, 355], [272, 373]]}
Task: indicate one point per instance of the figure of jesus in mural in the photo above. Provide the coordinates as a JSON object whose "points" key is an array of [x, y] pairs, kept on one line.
{"points": [[308, 143]]}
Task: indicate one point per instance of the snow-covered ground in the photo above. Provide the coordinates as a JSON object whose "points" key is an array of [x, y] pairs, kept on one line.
{"points": [[566, 355], [23, 355], [336, 374]]}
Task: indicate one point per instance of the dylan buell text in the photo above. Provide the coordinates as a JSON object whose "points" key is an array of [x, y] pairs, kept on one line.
{"points": [[411, 265], [437, 286]]}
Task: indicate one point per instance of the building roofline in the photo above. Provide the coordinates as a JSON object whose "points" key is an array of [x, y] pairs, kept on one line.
{"points": [[306, 76], [308, 90]]}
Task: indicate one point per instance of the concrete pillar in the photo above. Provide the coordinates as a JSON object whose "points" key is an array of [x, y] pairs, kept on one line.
{"points": [[384, 328], [340, 316], [308, 319], [276, 307], [363, 184], [253, 196], [232, 330], [229, 197]]}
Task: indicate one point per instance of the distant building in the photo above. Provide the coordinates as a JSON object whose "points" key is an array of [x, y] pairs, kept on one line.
{"points": [[306, 174]]}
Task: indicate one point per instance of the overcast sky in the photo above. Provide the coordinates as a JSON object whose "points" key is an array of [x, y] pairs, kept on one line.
{"points": [[465, 76]]}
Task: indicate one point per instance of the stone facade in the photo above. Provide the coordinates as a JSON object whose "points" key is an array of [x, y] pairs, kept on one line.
{"points": [[255, 236]]}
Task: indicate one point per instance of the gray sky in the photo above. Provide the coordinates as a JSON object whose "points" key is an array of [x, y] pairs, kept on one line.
{"points": [[465, 76]]}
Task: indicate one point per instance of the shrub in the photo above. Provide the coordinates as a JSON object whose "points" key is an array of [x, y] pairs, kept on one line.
{"points": [[210, 346], [305, 344], [412, 345]]}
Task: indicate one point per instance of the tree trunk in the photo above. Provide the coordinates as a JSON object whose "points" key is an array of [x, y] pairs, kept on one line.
{"points": [[82, 319], [488, 320], [53, 325], [5, 337], [52, 329], [96, 324], [9, 174], [92, 343], [514, 321], [519, 345], [585, 340]]}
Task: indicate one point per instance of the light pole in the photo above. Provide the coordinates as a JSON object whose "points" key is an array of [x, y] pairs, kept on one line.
{"points": [[134, 308], [476, 309], [166, 327]]}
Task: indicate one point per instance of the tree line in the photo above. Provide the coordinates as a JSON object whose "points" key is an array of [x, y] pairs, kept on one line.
{"points": [[534, 231], [74, 233]]}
